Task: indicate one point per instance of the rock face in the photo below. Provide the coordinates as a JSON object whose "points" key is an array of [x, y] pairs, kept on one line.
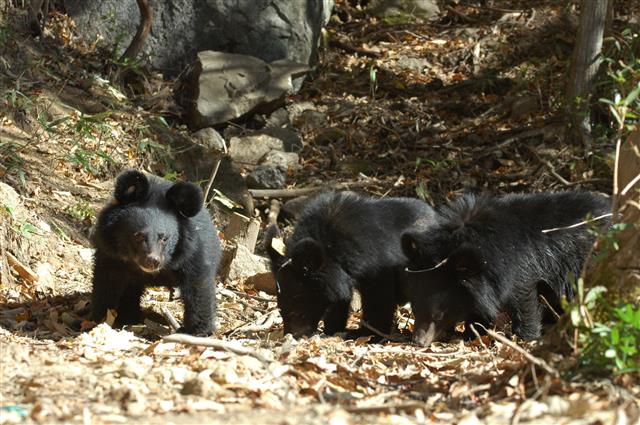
{"points": [[267, 29], [224, 86]]}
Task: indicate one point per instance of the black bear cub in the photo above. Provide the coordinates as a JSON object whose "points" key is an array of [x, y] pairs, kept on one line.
{"points": [[493, 254], [344, 241], [155, 233]]}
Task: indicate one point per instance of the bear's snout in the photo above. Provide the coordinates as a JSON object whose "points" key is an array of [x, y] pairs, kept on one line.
{"points": [[152, 261]]}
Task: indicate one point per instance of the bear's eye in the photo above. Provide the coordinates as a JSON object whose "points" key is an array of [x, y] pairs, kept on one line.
{"points": [[162, 237], [139, 236]]}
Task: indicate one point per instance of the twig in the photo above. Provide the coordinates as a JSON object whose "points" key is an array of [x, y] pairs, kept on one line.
{"points": [[493, 359], [525, 353], [628, 187], [169, 318], [23, 270], [546, 302], [554, 173], [214, 343], [253, 297], [387, 408], [600, 217], [214, 172], [258, 327], [377, 331]]}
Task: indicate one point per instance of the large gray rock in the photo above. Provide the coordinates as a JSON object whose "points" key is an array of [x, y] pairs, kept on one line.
{"points": [[225, 86], [267, 29]]}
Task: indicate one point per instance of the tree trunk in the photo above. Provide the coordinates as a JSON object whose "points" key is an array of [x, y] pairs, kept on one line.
{"points": [[619, 270], [146, 17], [584, 67]]}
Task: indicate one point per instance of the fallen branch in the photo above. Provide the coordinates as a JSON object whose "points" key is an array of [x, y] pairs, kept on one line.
{"points": [[535, 360], [214, 343], [294, 193], [23, 270]]}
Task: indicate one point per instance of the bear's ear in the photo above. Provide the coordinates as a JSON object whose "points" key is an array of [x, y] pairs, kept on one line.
{"points": [[411, 246], [466, 261], [131, 186], [307, 255], [186, 198]]}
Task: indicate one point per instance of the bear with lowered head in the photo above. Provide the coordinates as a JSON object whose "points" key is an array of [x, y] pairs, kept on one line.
{"points": [[491, 254], [341, 242], [155, 233]]}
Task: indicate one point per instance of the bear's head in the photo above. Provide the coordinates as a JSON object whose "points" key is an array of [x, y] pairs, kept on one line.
{"points": [[144, 227]]}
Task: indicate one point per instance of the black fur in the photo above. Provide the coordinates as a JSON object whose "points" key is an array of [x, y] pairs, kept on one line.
{"points": [[498, 258], [344, 241], [155, 233]]}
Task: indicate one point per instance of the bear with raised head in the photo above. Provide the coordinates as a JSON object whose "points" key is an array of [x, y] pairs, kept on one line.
{"points": [[491, 254], [155, 233], [344, 241]]}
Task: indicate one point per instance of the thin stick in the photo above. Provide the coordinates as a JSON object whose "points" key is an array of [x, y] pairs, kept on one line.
{"points": [[591, 220], [214, 343], [214, 172], [253, 297], [404, 407], [169, 318], [493, 359], [628, 187], [377, 331], [267, 320], [525, 353], [545, 302]]}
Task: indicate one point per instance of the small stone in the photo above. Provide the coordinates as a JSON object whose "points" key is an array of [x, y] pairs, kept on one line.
{"points": [[244, 264], [209, 139], [312, 119], [251, 149], [284, 161], [266, 177], [86, 254], [263, 282], [202, 385]]}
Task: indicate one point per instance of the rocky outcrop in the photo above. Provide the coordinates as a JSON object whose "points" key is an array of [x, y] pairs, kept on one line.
{"points": [[267, 29], [225, 86]]}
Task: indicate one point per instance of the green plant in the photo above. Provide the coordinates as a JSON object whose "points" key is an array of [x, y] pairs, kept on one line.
{"points": [[622, 82], [81, 211], [610, 343]]}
